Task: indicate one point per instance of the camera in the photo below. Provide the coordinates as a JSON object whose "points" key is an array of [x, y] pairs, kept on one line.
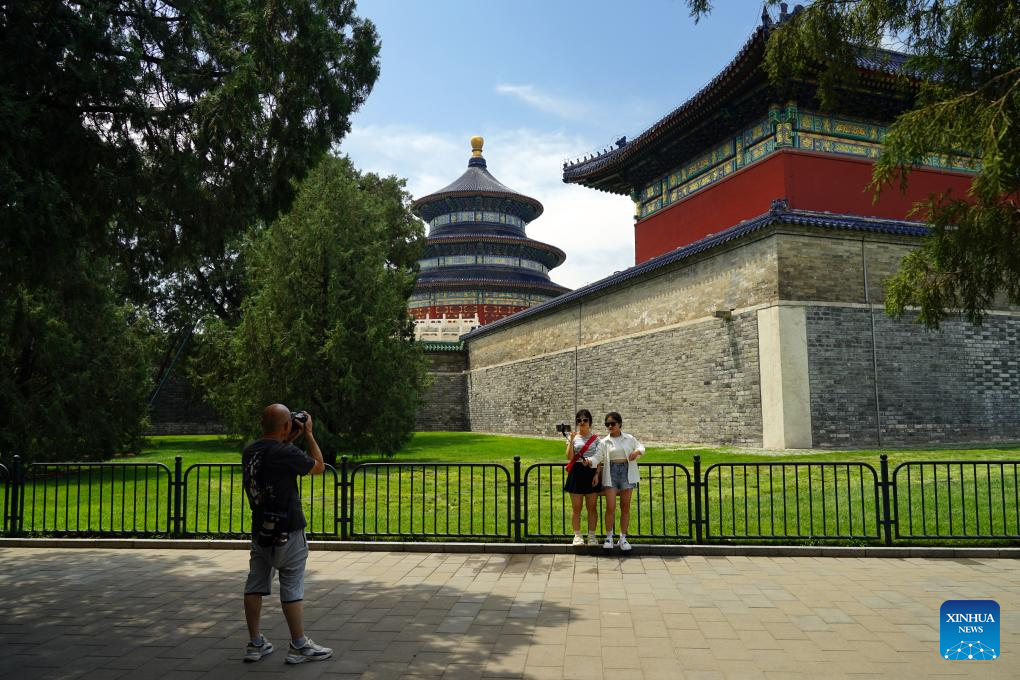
{"points": [[563, 429], [272, 531], [297, 422]]}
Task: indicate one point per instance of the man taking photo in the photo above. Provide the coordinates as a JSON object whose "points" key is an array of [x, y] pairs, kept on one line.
{"points": [[272, 465]]}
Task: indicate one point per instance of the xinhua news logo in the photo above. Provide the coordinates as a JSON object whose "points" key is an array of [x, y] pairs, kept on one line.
{"points": [[969, 630]]}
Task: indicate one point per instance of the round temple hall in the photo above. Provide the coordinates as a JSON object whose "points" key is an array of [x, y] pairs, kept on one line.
{"points": [[478, 264]]}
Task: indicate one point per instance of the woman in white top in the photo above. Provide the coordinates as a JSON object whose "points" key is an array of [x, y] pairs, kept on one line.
{"points": [[618, 454], [583, 480]]}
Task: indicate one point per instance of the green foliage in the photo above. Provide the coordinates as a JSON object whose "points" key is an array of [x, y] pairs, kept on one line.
{"points": [[74, 379], [149, 134], [159, 129], [964, 72], [325, 326]]}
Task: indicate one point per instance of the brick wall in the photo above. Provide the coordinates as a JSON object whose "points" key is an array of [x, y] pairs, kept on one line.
{"points": [[956, 384], [444, 406], [177, 410], [694, 383], [651, 350]]}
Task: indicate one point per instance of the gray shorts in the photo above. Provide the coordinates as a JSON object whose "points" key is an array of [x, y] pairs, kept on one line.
{"points": [[618, 476], [289, 559]]}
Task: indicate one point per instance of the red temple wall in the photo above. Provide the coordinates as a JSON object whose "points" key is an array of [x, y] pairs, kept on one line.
{"points": [[808, 181], [486, 313]]}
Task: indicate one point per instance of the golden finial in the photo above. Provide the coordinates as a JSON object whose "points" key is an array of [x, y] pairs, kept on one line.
{"points": [[476, 146]]}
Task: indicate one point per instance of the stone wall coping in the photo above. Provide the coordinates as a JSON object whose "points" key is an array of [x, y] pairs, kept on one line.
{"points": [[687, 550]]}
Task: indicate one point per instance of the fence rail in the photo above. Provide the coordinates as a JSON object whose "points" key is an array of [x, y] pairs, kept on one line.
{"points": [[927, 501], [5, 483], [792, 501], [660, 505], [95, 498], [957, 499], [431, 500]]}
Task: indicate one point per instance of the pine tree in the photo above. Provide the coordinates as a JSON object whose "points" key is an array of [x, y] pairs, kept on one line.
{"points": [[325, 326]]}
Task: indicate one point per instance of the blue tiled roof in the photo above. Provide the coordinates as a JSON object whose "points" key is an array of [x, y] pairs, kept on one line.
{"points": [[707, 100], [474, 237], [778, 215], [477, 181]]}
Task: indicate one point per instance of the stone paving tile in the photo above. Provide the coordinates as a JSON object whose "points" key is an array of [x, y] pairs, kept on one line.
{"points": [[156, 614]]}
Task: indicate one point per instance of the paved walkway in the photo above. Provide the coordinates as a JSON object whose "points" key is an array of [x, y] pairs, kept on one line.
{"points": [[177, 614]]}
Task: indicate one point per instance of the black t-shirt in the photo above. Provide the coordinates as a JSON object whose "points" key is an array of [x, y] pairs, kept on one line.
{"points": [[271, 469]]}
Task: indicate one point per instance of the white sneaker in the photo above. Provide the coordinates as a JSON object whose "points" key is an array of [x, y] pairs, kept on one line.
{"points": [[624, 545], [592, 540], [608, 544], [255, 652], [310, 652], [578, 540]]}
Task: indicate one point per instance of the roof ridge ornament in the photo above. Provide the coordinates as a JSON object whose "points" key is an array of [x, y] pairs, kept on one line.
{"points": [[476, 160], [784, 14]]}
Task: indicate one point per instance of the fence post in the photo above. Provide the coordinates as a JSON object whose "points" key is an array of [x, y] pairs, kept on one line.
{"points": [[517, 519], [178, 488], [345, 519], [696, 490], [887, 520], [15, 498], [4, 528]]}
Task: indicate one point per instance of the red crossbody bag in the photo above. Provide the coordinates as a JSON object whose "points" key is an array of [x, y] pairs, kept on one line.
{"points": [[579, 455]]}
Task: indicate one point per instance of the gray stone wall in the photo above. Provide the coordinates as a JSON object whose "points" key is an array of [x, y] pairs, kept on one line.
{"points": [[650, 349], [698, 382], [178, 410], [694, 383], [444, 404], [524, 397], [957, 384]]}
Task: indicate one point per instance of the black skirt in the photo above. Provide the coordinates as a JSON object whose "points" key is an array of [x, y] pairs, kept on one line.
{"points": [[579, 480]]}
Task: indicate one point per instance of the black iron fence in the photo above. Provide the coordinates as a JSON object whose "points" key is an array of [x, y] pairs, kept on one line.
{"points": [[661, 505], [949, 498], [792, 501], [430, 500], [771, 501], [105, 498]]}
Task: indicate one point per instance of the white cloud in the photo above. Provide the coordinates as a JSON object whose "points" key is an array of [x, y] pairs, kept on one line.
{"points": [[542, 101], [593, 228]]}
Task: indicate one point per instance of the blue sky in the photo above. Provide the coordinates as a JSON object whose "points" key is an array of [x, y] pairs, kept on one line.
{"points": [[542, 82]]}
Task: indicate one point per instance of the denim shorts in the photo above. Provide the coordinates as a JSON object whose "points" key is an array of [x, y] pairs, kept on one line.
{"points": [[618, 476], [289, 559]]}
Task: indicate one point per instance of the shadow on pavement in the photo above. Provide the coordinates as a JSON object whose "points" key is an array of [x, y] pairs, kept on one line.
{"points": [[174, 614]]}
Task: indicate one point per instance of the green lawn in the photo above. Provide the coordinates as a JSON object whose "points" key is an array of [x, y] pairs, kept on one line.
{"points": [[471, 447], [470, 495]]}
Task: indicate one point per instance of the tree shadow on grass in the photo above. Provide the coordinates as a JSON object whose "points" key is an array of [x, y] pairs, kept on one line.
{"points": [[174, 613]]}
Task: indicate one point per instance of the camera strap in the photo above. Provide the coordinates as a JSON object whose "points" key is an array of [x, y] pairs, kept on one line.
{"points": [[580, 454]]}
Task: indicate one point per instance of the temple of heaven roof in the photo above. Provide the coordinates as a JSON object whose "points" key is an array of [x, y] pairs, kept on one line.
{"points": [[478, 265]]}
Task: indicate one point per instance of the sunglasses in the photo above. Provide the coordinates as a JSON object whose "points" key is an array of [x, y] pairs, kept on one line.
{"points": [[611, 423], [581, 420]]}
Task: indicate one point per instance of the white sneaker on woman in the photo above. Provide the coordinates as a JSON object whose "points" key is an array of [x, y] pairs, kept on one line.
{"points": [[578, 540], [608, 545], [624, 545]]}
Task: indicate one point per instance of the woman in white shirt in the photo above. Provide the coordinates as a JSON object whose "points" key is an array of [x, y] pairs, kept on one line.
{"points": [[618, 454], [583, 480]]}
